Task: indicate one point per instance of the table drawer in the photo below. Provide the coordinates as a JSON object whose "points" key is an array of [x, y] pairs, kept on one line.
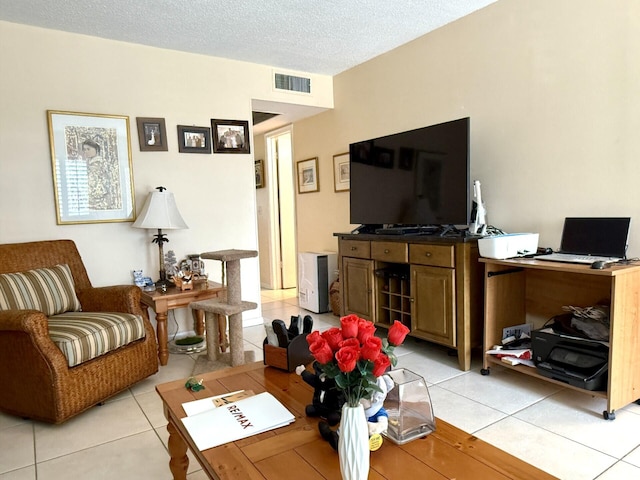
{"points": [[396, 252], [434, 255], [355, 248]]}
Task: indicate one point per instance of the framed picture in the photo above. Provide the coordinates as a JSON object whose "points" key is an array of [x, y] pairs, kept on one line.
{"points": [[152, 134], [230, 136], [91, 163], [341, 172], [194, 139], [308, 175], [259, 173]]}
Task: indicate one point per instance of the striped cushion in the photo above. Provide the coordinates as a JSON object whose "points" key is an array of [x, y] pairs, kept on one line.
{"points": [[49, 290], [82, 336]]}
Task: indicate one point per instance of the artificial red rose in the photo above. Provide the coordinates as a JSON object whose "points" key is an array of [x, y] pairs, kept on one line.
{"points": [[313, 337], [371, 348], [397, 333], [321, 351], [333, 336], [347, 357], [349, 326], [366, 329], [350, 342], [380, 364]]}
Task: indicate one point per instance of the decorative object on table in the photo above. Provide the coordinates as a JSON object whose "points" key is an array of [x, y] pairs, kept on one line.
{"points": [[170, 263], [354, 357], [152, 134], [183, 280], [285, 347], [194, 139], [91, 163], [259, 167], [341, 168], [327, 400], [195, 264], [307, 172], [160, 212], [409, 407], [230, 136]]}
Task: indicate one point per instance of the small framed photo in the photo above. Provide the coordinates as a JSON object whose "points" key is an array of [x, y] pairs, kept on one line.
{"points": [[152, 134], [92, 171], [341, 172], [194, 139], [308, 175], [259, 173], [230, 136]]}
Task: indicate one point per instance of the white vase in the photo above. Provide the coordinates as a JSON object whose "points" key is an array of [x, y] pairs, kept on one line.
{"points": [[353, 444]]}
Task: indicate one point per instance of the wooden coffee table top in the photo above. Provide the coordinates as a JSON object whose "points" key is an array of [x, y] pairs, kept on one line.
{"points": [[297, 451]]}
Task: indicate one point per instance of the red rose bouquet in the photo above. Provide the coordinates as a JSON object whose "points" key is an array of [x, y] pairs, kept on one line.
{"points": [[354, 357]]}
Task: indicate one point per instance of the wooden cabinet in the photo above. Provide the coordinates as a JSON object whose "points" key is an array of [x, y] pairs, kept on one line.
{"points": [[532, 291], [433, 285]]}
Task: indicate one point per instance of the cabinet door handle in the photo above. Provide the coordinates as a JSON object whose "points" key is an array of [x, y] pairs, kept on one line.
{"points": [[411, 300], [353, 249], [386, 250], [427, 254]]}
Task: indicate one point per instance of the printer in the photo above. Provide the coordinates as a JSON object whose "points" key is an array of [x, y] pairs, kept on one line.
{"points": [[580, 362]]}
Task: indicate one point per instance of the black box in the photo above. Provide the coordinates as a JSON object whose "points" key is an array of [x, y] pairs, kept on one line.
{"points": [[579, 362]]}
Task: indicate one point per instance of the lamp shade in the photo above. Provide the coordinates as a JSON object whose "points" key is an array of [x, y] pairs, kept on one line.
{"points": [[160, 211]]}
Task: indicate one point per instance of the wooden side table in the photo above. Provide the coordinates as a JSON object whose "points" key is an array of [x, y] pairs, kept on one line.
{"points": [[162, 302]]}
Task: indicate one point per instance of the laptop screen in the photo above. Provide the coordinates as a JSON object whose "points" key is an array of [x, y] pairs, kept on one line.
{"points": [[606, 237]]}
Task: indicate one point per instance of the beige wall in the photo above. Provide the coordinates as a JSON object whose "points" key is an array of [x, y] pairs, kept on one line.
{"points": [[45, 69], [552, 90]]}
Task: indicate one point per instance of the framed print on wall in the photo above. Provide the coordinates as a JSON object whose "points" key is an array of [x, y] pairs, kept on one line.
{"points": [[152, 134], [259, 164], [307, 171], [230, 136], [91, 163], [341, 172], [194, 139]]}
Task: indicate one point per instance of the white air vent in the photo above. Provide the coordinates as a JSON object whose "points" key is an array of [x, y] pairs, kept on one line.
{"points": [[292, 83]]}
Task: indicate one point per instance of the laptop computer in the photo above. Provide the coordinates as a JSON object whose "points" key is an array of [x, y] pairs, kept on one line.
{"points": [[588, 239]]}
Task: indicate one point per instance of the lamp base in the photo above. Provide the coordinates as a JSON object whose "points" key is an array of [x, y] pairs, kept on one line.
{"points": [[163, 284]]}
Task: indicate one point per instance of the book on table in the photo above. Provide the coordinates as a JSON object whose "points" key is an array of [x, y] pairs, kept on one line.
{"points": [[236, 420]]}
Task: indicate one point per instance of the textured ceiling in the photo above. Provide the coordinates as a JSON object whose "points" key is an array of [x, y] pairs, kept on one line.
{"points": [[314, 36]]}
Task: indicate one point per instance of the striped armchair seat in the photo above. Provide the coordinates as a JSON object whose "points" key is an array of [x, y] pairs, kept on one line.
{"points": [[65, 345]]}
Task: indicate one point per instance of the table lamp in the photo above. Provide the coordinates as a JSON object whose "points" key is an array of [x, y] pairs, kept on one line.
{"points": [[160, 212]]}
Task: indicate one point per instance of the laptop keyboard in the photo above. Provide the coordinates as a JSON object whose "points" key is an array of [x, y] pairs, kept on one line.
{"points": [[574, 258]]}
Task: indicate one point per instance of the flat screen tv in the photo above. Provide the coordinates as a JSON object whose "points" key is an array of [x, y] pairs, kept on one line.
{"points": [[414, 178]]}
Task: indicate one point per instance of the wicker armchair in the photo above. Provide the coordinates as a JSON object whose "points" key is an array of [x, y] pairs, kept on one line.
{"points": [[36, 381]]}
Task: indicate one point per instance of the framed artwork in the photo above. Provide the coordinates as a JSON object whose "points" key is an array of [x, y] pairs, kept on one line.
{"points": [[259, 164], [308, 175], [194, 139], [152, 134], [341, 172], [230, 136], [91, 164]]}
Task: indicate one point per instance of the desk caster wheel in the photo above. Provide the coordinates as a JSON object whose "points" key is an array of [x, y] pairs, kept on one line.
{"points": [[609, 415], [485, 371], [637, 402]]}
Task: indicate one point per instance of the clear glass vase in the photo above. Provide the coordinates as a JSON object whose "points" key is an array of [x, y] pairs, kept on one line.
{"points": [[353, 444]]}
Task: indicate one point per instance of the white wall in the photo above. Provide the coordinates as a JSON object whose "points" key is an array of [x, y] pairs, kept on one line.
{"points": [[552, 91], [45, 69]]}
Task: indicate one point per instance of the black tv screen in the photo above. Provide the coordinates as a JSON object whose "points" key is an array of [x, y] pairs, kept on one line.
{"points": [[419, 177]]}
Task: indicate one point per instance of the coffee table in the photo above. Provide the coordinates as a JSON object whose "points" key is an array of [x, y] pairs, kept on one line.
{"points": [[297, 451], [162, 302]]}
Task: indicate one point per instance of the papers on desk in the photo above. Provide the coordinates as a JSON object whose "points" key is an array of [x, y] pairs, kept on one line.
{"points": [[216, 425]]}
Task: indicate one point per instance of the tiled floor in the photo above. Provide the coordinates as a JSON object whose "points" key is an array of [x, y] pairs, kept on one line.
{"points": [[558, 430]]}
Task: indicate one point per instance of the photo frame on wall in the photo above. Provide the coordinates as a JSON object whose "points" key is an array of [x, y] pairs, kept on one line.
{"points": [[194, 139], [91, 164], [307, 172], [152, 134], [341, 170], [230, 136], [259, 165]]}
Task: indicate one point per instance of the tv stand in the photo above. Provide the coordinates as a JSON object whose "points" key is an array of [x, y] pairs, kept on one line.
{"points": [[431, 284]]}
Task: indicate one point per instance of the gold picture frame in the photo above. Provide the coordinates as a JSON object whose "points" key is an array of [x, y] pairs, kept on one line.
{"points": [[307, 172], [92, 170]]}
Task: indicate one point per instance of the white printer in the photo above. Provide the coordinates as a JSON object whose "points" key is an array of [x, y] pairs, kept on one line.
{"points": [[508, 245]]}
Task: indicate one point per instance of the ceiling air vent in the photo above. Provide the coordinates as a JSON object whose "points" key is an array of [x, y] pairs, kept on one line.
{"points": [[292, 83]]}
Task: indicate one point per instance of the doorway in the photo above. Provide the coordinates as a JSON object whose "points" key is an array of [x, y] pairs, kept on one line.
{"points": [[281, 182]]}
